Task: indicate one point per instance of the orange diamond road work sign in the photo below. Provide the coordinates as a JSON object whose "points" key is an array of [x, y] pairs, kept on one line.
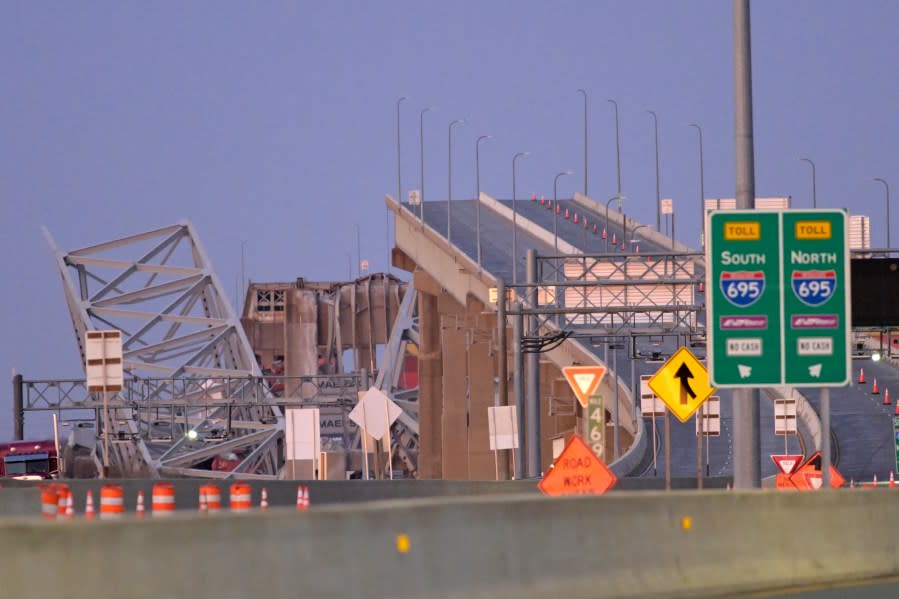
{"points": [[809, 477], [577, 471], [584, 380]]}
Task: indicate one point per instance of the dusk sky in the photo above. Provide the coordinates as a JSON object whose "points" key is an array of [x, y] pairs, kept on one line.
{"points": [[274, 124]]}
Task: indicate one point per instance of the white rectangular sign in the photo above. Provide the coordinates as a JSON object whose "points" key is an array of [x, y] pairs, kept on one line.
{"points": [[503, 427], [710, 412], [103, 360], [302, 432], [650, 404], [667, 206], [784, 416]]}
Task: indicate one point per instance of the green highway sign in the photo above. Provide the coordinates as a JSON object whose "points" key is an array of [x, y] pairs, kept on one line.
{"points": [[896, 434], [778, 298]]}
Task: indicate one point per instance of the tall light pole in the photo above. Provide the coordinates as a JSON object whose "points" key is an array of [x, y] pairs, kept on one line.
{"points": [[555, 209], [515, 219], [585, 140], [701, 190], [399, 182], [477, 199], [655, 120], [814, 182], [617, 144], [449, 192], [605, 231], [421, 143], [886, 186]]}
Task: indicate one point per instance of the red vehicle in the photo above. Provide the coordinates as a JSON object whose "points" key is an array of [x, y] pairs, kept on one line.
{"points": [[29, 460]]}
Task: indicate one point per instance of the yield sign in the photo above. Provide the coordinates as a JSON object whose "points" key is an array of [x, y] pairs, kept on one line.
{"points": [[682, 383], [584, 380], [577, 471], [787, 463]]}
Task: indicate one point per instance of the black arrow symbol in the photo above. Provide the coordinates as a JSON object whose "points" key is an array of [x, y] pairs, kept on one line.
{"points": [[684, 374]]}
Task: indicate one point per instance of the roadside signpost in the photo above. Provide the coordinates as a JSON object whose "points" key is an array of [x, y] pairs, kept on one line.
{"points": [[779, 298], [577, 471], [682, 383], [104, 369]]}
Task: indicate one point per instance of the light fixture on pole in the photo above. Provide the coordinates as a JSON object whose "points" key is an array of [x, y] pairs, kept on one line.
{"points": [[556, 209], [477, 199], [421, 142], [617, 145], [814, 182], [605, 230], [585, 139], [449, 191], [886, 186], [701, 190], [655, 120], [515, 219], [634, 241]]}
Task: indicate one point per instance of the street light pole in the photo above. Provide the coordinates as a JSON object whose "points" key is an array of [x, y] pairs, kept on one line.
{"points": [[655, 120], [814, 182], [617, 144], [555, 209], [399, 181], [421, 141], [701, 190], [449, 193], [515, 219], [477, 199], [634, 240], [585, 140], [886, 186]]}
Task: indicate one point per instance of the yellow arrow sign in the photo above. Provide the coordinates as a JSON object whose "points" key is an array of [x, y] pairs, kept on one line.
{"points": [[682, 383]]}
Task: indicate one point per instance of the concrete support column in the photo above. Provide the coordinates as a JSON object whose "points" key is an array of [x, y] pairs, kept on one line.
{"points": [[430, 376], [301, 333]]}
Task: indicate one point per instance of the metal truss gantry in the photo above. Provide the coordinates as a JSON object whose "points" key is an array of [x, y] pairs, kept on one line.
{"points": [[159, 289]]}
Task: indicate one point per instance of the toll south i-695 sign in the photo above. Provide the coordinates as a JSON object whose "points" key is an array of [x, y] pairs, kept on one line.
{"points": [[778, 298]]}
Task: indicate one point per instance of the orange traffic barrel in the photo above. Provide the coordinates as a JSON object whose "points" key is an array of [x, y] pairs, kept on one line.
{"points": [[63, 494], [49, 501], [163, 499], [241, 497], [213, 497], [112, 502]]}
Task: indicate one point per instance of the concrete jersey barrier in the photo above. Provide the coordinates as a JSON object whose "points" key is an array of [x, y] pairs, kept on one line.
{"points": [[616, 546]]}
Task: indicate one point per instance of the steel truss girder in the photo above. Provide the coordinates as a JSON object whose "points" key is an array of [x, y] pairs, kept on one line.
{"points": [[158, 287], [615, 294]]}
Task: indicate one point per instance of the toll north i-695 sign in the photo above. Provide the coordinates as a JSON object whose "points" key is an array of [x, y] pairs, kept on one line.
{"points": [[778, 294]]}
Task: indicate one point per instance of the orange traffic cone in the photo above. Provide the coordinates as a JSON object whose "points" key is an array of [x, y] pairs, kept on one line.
{"points": [[875, 390], [892, 481], [861, 376], [300, 504], [70, 506], [874, 484], [139, 510], [305, 497], [897, 407], [886, 396], [263, 502], [852, 482], [533, 197], [89, 505]]}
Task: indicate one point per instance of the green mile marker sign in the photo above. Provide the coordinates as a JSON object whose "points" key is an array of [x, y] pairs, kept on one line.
{"points": [[778, 298]]}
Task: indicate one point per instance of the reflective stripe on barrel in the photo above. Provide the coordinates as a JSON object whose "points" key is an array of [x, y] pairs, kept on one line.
{"points": [[163, 499], [62, 500], [241, 497], [213, 496], [112, 502]]}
